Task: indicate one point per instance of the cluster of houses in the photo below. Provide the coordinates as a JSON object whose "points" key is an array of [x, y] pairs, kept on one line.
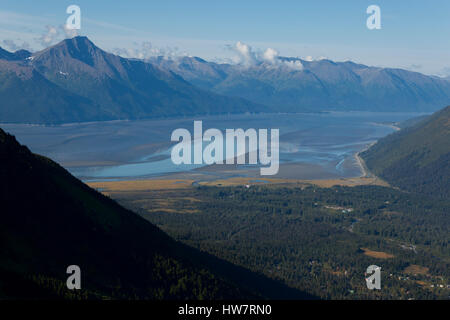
{"points": [[342, 209]]}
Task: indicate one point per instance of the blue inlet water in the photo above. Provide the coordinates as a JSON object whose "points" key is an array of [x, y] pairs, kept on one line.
{"points": [[329, 140]]}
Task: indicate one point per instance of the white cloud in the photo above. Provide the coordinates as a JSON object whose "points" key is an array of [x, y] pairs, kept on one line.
{"points": [[70, 33], [12, 45], [54, 34], [145, 50], [445, 72], [50, 36], [270, 55], [246, 56], [296, 65]]}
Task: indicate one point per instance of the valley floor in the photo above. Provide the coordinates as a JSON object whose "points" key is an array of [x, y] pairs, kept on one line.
{"points": [[184, 181], [318, 236]]}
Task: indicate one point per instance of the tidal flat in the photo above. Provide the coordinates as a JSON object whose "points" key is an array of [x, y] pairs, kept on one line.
{"points": [[312, 145]]}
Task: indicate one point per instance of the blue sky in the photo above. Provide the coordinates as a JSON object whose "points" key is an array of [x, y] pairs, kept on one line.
{"points": [[415, 34]]}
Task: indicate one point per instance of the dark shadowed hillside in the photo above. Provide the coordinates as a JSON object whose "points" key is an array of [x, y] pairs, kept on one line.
{"points": [[27, 96], [417, 158], [50, 220]]}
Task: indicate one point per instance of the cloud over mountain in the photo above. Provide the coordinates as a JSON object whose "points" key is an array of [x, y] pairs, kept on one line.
{"points": [[293, 84], [247, 57], [54, 34], [145, 50]]}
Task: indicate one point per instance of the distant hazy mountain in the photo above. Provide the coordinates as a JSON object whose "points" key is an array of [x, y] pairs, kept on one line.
{"points": [[293, 84], [416, 158], [76, 81], [27, 96], [18, 55], [50, 220]]}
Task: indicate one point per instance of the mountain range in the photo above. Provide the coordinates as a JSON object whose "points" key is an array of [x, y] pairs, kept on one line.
{"points": [[14, 56], [295, 85], [75, 81], [416, 158]]}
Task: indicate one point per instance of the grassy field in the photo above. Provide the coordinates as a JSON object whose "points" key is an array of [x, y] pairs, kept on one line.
{"points": [[175, 195], [377, 254], [109, 187], [416, 269], [140, 185]]}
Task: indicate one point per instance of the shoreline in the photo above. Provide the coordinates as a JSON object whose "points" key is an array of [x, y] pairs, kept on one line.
{"points": [[196, 178], [365, 173], [195, 116]]}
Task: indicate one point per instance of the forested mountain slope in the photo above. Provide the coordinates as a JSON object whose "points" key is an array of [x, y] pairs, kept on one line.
{"points": [[416, 158], [50, 220]]}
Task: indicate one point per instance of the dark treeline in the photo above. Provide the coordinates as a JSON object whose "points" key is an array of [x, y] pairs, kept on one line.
{"points": [[314, 239]]}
